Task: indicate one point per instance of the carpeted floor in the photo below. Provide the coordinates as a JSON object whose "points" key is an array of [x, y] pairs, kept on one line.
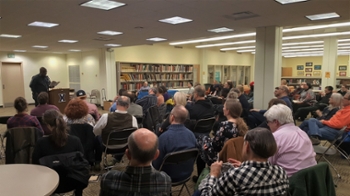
{"points": [[93, 189]]}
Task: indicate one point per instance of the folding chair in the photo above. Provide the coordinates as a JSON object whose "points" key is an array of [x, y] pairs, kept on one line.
{"points": [[203, 126], [179, 157], [87, 137], [342, 151], [139, 121], [331, 149], [117, 142], [3, 120]]}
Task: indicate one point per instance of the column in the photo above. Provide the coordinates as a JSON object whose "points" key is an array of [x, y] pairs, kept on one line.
{"points": [[268, 62], [329, 62], [108, 74], [204, 66]]}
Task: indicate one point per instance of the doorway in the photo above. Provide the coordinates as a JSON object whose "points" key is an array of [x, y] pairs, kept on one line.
{"points": [[12, 82]]}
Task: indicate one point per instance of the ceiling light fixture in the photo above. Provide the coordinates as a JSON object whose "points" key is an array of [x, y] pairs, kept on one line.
{"points": [[316, 35], [241, 51], [342, 24], [112, 45], [237, 48], [19, 51], [301, 43], [10, 36], [107, 32], [102, 4], [323, 16], [68, 41], [344, 40], [156, 39], [226, 44], [214, 39], [297, 47], [300, 50], [38, 46], [283, 2], [42, 24], [175, 20], [74, 50], [220, 30]]}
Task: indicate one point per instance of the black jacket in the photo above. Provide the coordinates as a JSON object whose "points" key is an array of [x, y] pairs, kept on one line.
{"points": [[39, 84], [201, 109]]}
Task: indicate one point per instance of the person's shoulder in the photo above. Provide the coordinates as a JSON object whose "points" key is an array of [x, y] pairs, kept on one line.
{"points": [[162, 176], [73, 138]]}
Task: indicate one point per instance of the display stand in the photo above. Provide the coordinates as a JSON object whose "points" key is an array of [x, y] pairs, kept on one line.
{"points": [[59, 97]]}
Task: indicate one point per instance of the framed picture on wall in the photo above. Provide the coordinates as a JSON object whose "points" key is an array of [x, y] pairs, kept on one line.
{"points": [[300, 67], [308, 74], [317, 67], [300, 73], [317, 73], [343, 67], [308, 64], [308, 69], [342, 73]]}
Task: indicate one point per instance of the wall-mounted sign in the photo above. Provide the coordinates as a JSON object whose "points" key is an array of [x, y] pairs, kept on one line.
{"points": [[327, 74], [300, 67], [342, 73], [10, 55], [300, 73], [308, 69], [308, 74], [343, 67], [308, 64], [317, 67], [317, 73]]}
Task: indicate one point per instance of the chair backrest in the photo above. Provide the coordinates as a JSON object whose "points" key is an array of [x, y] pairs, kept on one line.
{"points": [[20, 144], [204, 125], [142, 93], [151, 118], [232, 149], [179, 157], [119, 137], [3, 119], [162, 111], [139, 121], [95, 93], [216, 100], [87, 137]]}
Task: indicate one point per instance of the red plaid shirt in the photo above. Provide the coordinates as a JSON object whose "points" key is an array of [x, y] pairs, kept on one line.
{"points": [[24, 120]]}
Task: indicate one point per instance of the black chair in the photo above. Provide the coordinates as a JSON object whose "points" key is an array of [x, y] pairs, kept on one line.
{"points": [[152, 118], [139, 121], [204, 126], [87, 137], [216, 100], [117, 142], [179, 157], [3, 119]]}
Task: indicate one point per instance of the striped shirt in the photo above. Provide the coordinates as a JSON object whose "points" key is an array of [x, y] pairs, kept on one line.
{"points": [[135, 181], [251, 178], [24, 120]]}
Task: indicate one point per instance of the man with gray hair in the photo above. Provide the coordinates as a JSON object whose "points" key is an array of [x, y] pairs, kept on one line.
{"points": [[148, 100], [295, 151]]}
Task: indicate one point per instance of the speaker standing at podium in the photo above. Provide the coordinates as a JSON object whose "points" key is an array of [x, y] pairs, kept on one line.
{"points": [[41, 83]]}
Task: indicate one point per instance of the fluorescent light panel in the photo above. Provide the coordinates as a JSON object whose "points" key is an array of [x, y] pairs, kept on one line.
{"points": [[74, 50], [42, 24], [323, 16], [214, 39], [39, 46], [301, 43], [283, 2], [342, 24], [307, 49], [220, 30], [112, 45], [297, 47], [237, 48], [19, 51], [10, 36], [102, 4], [316, 35], [241, 51], [107, 32], [175, 20], [226, 44], [156, 39], [68, 41], [344, 40]]}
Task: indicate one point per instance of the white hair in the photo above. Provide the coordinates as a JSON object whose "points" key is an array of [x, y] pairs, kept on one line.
{"points": [[281, 113]]}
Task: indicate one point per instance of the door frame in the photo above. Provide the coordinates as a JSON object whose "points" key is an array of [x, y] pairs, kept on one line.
{"points": [[22, 78]]}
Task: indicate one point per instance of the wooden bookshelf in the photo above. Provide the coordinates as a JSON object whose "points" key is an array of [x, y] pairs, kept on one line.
{"points": [[132, 75], [296, 81]]}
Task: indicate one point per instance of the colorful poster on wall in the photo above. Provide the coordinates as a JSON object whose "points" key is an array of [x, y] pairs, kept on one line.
{"points": [[342, 73], [327, 74], [300, 73], [317, 73], [300, 67], [308, 69], [217, 76], [317, 67], [342, 67], [308, 64], [308, 74]]}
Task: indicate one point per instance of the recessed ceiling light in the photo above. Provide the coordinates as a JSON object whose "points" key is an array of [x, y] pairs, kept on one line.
{"points": [[323, 16], [214, 39], [316, 35], [220, 30], [112, 45], [175, 20], [226, 44], [10, 36], [107, 32], [301, 43], [237, 48], [344, 44], [299, 47], [156, 39], [74, 50], [305, 49], [344, 40], [42, 24], [342, 24], [289, 1], [38, 46], [241, 51], [19, 51], [102, 4], [68, 41]]}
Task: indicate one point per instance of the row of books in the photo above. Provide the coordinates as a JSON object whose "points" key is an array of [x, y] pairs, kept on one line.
{"points": [[156, 68], [299, 81], [169, 85], [155, 77]]}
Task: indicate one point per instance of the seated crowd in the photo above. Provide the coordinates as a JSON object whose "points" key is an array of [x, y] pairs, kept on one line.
{"points": [[272, 147]]}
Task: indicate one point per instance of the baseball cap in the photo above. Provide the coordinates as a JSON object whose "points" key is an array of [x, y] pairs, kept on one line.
{"points": [[80, 93]]}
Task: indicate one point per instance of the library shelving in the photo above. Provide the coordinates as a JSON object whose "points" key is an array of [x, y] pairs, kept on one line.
{"points": [[316, 82], [132, 75], [222, 73]]}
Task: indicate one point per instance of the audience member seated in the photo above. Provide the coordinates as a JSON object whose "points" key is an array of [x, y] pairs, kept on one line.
{"points": [[322, 102], [282, 92], [343, 89], [160, 98], [134, 109], [144, 86], [217, 90], [139, 177], [176, 138], [58, 142], [335, 102], [254, 176], [114, 105], [179, 99], [165, 93], [295, 151], [228, 85], [244, 102], [234, 126], [92, 107], [148, 100], [77, 112], [190, 90], [22, 119], [38, 111], [306, 99], [329, 129]]}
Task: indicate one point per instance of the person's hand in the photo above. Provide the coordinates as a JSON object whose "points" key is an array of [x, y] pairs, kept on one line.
{"points": [[321, 121], [254, 110], [160, 130], [215, 169], [205, 146], [234, 162]]}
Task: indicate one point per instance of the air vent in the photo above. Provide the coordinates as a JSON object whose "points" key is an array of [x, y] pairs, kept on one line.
{"points": [[241, 15], [103, 39]]}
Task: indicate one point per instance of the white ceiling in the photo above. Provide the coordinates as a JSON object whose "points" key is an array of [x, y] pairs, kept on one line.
{"points": [[82, 23]]}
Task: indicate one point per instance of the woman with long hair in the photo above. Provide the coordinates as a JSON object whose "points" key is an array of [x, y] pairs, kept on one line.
{"points": [[77, 112], [22, 118], [234, 126]]}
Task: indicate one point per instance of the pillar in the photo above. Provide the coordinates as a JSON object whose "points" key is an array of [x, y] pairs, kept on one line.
{"points": [[329, 61]]}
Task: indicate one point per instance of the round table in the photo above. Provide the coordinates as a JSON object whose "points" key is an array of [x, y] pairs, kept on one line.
{"points": [[26, 179]]}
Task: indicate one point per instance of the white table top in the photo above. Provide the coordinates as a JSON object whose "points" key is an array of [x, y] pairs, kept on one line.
{"points": [[28, 180]]}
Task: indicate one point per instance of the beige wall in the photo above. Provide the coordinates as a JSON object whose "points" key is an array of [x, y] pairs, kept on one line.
{"points": [[31, 62]]}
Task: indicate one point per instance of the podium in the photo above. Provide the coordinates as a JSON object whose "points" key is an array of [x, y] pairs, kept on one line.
{"points": [[59, 97]]}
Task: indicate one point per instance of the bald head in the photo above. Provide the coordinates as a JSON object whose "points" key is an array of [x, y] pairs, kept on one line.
{"points": [[179, 114], [143, 145], [123, 101]]}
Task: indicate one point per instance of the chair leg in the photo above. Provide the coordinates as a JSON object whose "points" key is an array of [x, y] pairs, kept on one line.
{"points": [[188, 191], [181, 189]]}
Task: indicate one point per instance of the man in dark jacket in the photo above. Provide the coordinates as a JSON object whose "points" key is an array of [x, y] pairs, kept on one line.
{"points": [[40, 83], [148, 100]]}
